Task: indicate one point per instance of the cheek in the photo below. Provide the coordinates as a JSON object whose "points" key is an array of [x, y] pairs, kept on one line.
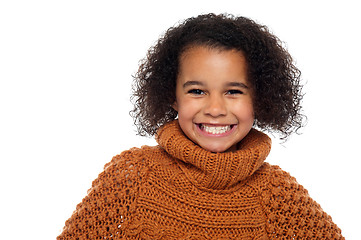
{"points": [[182, 113], [187, 108], [185, 115], [244, 111]]}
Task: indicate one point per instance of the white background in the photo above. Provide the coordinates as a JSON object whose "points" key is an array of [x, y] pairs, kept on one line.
{"points": [[65, 83]]}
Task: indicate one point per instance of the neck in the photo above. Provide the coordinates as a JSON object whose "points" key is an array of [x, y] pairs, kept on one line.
{"points": [[215, 171]]}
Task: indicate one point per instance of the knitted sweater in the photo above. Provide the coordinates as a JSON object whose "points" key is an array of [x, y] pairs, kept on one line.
{"points": [[177, 190]]}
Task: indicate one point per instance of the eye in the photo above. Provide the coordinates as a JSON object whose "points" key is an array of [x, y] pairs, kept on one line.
{"points": [[234, 91], [196, 91]]}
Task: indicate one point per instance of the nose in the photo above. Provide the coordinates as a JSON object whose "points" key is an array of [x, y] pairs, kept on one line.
{"points": [[215, 106]]}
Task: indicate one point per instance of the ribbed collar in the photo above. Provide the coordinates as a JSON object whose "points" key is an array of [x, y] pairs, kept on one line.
{"points": [[214, 171]]}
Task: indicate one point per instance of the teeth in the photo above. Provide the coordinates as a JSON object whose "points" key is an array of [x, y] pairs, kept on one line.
{"points": [[215, 130]]}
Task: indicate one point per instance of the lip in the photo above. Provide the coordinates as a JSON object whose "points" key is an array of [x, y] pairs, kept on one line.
{"points": [[207, 134]]}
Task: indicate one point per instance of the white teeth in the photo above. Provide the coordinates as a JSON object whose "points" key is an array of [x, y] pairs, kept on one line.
{"points": [[215, 130]]}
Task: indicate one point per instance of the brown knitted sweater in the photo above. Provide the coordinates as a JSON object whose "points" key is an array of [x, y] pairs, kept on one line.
{"points": [[178, 190]]}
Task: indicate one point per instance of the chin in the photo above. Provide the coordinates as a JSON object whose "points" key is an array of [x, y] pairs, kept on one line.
{"points": [[217, 149]]}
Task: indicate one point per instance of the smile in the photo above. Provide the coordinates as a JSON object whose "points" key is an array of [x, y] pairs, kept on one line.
{"points": [[214, 129]]}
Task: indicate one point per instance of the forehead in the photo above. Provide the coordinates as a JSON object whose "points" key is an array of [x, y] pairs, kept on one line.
{"points": [[204, 63]]}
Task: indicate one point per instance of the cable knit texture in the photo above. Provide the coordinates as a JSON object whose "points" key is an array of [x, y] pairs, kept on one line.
{"points": [[178, 190]]}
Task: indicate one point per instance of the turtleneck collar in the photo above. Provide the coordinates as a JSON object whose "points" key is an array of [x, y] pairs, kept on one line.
{"points": [[214, 171]]}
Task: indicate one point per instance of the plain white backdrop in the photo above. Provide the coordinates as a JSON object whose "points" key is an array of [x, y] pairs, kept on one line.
{"points": [[65, 83]]}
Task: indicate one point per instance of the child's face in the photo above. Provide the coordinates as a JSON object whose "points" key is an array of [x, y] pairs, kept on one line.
{"points": [[213, 98]]}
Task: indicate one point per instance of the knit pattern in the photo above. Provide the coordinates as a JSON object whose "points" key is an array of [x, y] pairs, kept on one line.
{"points": [[178, 190], [110, 202], [292, 213]]}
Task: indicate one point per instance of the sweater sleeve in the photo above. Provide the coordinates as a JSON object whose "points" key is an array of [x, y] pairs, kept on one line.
{"points": [[110, 202], [292, 213]]}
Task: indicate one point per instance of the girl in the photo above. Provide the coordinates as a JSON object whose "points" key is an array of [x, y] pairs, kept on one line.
{"points": [[202, 90]]}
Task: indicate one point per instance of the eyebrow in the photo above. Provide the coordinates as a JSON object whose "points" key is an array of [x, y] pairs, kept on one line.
{"points": [[237, 84], [229, 84], [191, 83]]}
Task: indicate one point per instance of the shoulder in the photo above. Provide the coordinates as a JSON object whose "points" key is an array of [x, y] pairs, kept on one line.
{"points": [[134, 157], [278, 176], [273, 174], [127, 166], [271, 178], [282, 182]]}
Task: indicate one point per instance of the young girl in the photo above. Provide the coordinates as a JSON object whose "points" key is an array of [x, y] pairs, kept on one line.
{"points": [[201, 91]]}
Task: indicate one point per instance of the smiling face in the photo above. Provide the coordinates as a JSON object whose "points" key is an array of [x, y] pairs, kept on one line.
{"points": [[213, 98]]}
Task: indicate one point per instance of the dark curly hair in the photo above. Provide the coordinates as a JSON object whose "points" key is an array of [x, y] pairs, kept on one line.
{"points": [[274, 78]]}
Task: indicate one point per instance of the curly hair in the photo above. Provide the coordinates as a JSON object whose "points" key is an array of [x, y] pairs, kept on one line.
{"points": [[274, 78]]}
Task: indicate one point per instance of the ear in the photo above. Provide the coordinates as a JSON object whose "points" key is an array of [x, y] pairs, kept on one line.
{"points": [[175, 106]]}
